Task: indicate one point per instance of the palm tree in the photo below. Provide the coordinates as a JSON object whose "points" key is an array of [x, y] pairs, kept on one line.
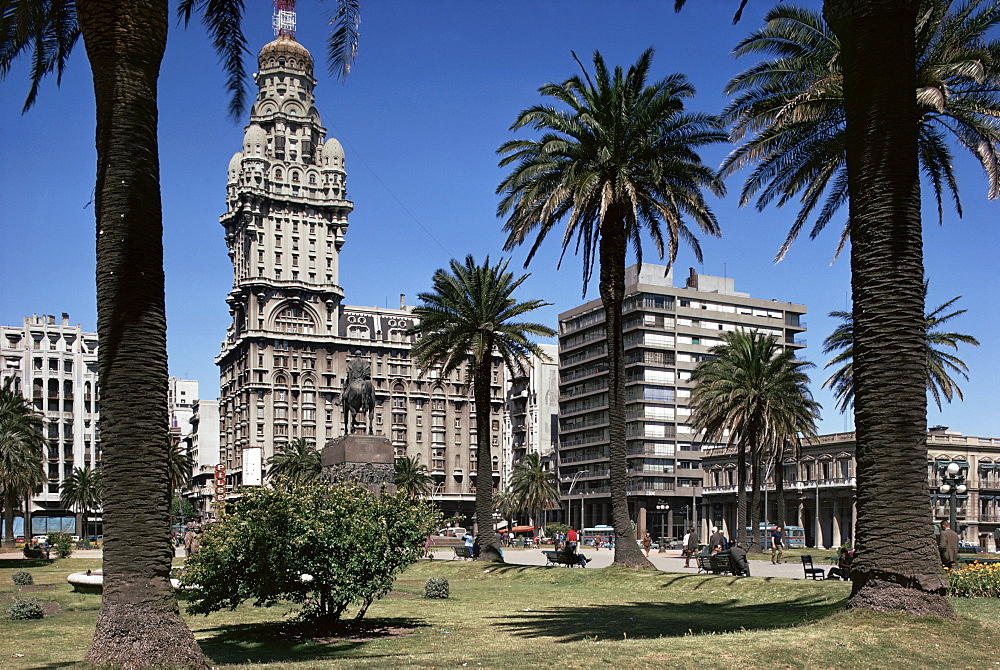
{"points": [[21, 447], [878, 62], [620, 161], [125, 41], [180, 465], [506, 504], [939, 362], [298, 461], [791, 107], [471, 314], [82, 490], [412, 478], [755, 394], [534, 487]]}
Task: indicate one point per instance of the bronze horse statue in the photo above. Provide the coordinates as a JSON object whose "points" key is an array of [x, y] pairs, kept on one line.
{"points": [[358, 397]]}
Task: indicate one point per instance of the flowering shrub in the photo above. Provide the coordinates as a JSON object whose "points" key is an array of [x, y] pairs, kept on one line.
{"points": [[324, 547], [975, 581]]}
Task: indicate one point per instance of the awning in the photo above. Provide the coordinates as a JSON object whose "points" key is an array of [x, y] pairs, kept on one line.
{"points": [[522, 529]]}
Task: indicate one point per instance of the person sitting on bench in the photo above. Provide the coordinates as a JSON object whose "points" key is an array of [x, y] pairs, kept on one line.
{"points": [[570, 551], [738, 560]]}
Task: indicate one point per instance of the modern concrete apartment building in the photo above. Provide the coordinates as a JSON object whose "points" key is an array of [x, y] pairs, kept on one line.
{"points": [[54, 364], [285, 355], [668, 330], [820, 486]]}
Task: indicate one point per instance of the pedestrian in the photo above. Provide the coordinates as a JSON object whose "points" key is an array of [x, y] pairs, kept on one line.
{"points": [[777, 544], [690, 546], [647, 543], [468, 539], [949, 546]]}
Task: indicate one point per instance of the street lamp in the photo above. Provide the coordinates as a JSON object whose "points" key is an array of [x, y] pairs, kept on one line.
{"points": [[953, 481], [663, 508]]}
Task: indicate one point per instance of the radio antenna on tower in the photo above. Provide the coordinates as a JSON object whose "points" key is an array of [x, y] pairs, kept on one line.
{"points": [[283, 20]]}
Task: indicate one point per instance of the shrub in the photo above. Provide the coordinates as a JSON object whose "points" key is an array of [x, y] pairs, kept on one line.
{"points": [[22, 578], [22, 610], [975, 581], [62, 544], [437, 587], [324, 547]]}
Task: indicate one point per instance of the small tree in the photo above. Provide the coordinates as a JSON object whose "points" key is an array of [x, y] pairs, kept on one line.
{"points": [[323, 547]]}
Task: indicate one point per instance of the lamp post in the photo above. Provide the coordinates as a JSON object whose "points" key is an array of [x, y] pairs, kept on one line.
{"points": [[662, 508], [953, 482]]}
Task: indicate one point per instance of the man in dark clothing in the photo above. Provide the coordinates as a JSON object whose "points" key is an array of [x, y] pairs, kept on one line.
{"points": [[738, 560], [717, 541], [948, 545], [777, 544], [691, 547], [570, 551]]}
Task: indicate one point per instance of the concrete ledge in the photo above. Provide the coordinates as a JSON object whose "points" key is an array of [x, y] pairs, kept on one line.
{"points": [[94, 582]]}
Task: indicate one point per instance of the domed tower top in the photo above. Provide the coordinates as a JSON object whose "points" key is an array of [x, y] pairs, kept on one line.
{"points": [[286, 54]]}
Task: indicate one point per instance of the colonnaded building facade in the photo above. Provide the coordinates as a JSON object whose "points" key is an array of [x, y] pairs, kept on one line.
{"points": [[285, 355], [668, 330]]}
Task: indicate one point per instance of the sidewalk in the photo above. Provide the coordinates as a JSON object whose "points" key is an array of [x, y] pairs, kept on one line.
{"points": [[670, 561]]}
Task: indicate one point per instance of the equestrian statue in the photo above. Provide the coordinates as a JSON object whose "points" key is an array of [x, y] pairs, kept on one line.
{"points": [[357, 393]]}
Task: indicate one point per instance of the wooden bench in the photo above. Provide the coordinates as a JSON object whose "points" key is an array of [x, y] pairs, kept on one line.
{"points": [[464, 553], [717, 565], [560, 558]]}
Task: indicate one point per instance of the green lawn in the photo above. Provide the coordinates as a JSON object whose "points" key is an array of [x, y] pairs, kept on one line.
{"points": [[509, 616]]}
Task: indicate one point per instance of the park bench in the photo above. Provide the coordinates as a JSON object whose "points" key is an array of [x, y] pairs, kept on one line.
{"points": [[463, 553], [717, 565], [560, 558]]}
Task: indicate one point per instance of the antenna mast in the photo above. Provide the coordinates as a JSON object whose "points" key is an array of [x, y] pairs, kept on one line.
{"points": [[283, 20]]}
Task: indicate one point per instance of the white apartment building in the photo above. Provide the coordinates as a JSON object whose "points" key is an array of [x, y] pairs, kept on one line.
{"points": [[531, 412], [54, 364]]}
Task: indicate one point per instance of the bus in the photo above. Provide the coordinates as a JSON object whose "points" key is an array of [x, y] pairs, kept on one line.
{"points": [[795, 536], [592, 537]]}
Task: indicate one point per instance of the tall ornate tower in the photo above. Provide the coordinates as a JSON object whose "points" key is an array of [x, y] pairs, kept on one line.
{"points": [[285, 221]]}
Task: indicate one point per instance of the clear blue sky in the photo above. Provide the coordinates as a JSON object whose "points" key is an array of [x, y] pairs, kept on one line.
{"points": [[432, 95]]}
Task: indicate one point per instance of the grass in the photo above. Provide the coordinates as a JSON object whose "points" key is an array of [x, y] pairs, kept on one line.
{"points": [[508, 616]]}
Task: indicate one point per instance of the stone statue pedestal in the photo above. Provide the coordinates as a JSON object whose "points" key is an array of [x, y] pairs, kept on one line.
{"points": [[365, 459]]}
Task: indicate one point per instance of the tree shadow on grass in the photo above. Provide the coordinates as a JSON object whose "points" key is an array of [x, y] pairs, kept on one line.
{"points": [[275, 642], [662, 619]]}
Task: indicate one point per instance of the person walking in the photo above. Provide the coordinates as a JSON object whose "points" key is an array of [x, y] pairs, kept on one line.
{"points": [[647, 543], [949, 546], [690, 546], [777, 544]]}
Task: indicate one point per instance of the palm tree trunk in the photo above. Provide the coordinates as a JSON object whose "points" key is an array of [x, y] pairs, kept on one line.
{"points": [[897, 565], [756, 500], [486, 536], [9, 502], [139, 624], [741, 492], [612, 289], [779, 490]]}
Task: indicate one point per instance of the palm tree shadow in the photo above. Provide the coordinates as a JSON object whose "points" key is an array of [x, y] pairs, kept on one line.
{"points": [[275, 642], [652, 619]]}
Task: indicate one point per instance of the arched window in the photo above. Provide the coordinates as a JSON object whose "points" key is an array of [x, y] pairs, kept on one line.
{"points": [[278, 174], [294, 319]]}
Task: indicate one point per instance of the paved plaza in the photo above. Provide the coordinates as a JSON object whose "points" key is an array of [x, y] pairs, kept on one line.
{"points": [[670, 561]]}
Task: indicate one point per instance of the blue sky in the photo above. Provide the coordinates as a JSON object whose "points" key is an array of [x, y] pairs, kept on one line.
{"points": [[432, 95]]}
